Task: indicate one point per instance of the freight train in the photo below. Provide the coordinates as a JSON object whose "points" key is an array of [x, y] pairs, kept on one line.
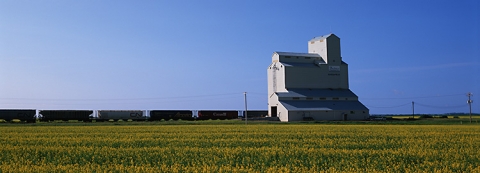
{"points": [[125, 115], [24, 115], [66, 115], [156, 115], [30, 115]]}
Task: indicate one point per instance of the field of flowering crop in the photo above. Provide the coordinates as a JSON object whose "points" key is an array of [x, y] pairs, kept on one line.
{"points": [[240, 148]]}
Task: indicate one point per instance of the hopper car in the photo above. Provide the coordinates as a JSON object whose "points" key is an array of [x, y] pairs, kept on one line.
{"points": [[125, 115], [255, 113], [66, 115], [166, 115], [217, 115], [24, 115]]}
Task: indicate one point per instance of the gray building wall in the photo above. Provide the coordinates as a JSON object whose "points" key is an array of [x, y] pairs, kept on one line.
{"points": [[316, 76]]}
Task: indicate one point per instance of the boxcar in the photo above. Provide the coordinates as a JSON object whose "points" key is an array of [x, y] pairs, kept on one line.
{"points": [[135, 115], [24, 115], [255, 113], [156, 115], [65, 115], [217, 115]]}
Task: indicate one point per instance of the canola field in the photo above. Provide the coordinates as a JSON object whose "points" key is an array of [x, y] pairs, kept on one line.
{"points": [[241, 148]]}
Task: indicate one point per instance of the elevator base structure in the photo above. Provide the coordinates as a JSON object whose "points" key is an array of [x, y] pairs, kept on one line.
{"points": [[294, 110], [318, 105]]}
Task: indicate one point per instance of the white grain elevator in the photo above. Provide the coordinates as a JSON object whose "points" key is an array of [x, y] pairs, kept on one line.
{"points": [[313, 85]]}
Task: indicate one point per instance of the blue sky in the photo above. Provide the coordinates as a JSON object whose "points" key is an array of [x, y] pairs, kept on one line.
{"points": [[205, 54]]}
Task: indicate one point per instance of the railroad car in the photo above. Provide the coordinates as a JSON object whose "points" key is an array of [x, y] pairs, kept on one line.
{"points": [[24, 115], [255, 113], [217, 114], [65, 115], [156, 115], [125, 115]]}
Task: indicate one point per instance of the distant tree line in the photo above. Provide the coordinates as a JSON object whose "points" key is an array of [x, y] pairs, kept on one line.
{"points": [[433, 115]]}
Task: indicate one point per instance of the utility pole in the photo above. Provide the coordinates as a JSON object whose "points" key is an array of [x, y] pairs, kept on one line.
{"points": [[246, 113], [413, 110], [469, 101]]}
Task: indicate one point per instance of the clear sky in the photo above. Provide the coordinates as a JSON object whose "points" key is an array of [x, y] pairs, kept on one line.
{"points": [[114, 54]]}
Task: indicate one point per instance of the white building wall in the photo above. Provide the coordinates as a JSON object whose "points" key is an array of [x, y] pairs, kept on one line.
{"points": [[283, 113], [272, 102], [276, 78], [281, 87], [318, 47], [275, 57]]}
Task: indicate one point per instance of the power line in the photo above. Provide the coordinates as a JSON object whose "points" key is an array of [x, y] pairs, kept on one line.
{"points": [[122, 99], [396, 98], [420, 104], [118, 102], [441, 107], [264, 94], [389, 106]]}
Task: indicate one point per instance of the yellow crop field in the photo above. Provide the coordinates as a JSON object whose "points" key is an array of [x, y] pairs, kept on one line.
{"points": [[241, 148]]}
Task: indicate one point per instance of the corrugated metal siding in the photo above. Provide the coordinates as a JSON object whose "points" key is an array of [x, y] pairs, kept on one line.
{"points": [[297, 64], [322, 105], [317, 93], [313, 55]]}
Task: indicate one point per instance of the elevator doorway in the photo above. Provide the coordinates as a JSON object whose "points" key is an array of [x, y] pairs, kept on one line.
{"points": [[273, 111]]}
